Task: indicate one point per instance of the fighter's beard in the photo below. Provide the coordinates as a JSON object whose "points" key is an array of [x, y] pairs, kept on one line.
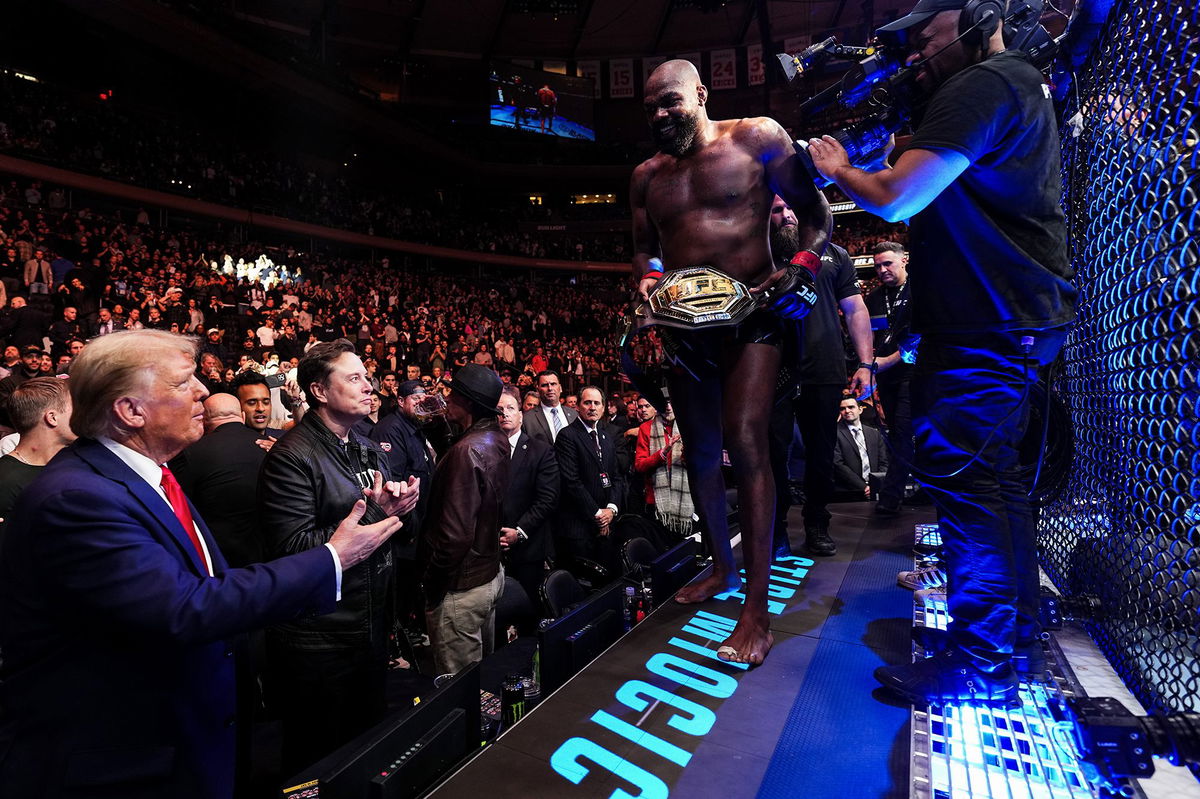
{"points": [[785, 242], [681, 140]]}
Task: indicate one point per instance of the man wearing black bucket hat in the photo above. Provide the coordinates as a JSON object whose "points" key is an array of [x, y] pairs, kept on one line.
{"points": [[459, 550], [981, 184]]}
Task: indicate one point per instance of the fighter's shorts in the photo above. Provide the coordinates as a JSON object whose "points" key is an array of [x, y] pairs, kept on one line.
{"points": [[699, 311], [698, 351]]}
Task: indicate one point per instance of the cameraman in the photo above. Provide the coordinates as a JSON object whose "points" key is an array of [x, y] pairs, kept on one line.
{"points": [[991, 297]]}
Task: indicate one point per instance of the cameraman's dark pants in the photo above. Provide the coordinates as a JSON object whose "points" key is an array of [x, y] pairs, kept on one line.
{"points": [[897, 407], [970, 411]]}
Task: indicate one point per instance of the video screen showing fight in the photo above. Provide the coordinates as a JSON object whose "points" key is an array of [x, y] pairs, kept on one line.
{"points": [[541, 102]]}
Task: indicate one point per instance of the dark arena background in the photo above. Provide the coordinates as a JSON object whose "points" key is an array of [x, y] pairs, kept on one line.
{"points": [[389, 162]]}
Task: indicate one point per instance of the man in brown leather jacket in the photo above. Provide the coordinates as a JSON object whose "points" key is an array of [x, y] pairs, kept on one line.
{"points": [[459, 548]]}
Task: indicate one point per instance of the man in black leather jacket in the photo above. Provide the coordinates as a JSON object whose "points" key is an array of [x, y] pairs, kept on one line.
{"points": [[327, 675], [459, 548]]}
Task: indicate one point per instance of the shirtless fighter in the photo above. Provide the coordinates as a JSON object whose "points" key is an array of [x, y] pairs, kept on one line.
{"points": [[705, 200]]}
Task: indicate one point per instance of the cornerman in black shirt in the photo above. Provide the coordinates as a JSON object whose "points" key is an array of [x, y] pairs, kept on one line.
{"points": [[819, 377], [991, 297]]}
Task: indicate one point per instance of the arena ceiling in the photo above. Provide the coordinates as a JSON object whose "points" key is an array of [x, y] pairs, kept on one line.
{"points": [[370, 30]]}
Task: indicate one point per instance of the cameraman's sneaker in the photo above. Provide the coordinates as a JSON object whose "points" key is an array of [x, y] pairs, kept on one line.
{"points": [[930, 596], [950, 677], [1029, 659], [924, 577]]}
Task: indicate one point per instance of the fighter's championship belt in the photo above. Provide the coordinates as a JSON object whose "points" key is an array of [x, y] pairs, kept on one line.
{"points": [[699, 296], [703, 296]]}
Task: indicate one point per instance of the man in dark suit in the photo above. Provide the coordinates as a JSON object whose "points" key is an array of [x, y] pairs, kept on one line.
{"points": [[860, 452], [552, 417], [531, 499], [219, 473], [587, 466], [24, 325], [116, 605], [105, 323]]}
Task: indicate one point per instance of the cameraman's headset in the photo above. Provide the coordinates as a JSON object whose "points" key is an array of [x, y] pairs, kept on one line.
{"points": [[980, 18]]}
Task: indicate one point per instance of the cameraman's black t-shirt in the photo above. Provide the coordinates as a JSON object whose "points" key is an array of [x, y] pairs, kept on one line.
{"points": [[989, 253]]}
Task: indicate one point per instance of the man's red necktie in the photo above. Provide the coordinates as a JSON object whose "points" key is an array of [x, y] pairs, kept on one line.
{"points": [[179, 504]]}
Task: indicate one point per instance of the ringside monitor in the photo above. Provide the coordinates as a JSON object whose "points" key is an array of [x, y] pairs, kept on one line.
{"points": [[404, 755], [672, 570], [574, 639]]}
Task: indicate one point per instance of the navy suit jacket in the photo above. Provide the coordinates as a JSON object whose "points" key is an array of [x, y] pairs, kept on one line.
{"points": [[583, 492], [118, 671], [531, 499]]}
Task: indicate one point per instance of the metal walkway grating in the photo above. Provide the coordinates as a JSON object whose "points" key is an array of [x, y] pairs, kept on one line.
{"points": [[966, 751]]}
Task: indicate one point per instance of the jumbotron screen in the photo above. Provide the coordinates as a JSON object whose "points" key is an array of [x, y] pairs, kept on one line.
{"points": [[541, 102]]}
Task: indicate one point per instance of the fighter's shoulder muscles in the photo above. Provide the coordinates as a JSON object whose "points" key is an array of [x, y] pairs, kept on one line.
{"points": [[786, 175], [790, 179]]}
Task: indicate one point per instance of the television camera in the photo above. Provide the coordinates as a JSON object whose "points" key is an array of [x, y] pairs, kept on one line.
{"points": [[882, 86]]}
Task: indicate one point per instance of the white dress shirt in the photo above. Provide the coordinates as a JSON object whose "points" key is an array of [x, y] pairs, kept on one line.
{"points": [[549, 411]]}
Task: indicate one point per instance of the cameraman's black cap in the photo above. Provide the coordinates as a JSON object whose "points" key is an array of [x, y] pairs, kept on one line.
{"points": [[923, 11]]}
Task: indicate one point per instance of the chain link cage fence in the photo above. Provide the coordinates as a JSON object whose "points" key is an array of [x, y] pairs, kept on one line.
{"points": [[1122, 541]]}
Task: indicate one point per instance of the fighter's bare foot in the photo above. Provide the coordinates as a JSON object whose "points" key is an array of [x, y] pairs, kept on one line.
{"points": [[749, 643], [707, 588]]}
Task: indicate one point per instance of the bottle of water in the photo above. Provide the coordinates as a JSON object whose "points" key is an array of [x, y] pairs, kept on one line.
{"points": [[627, 609]]}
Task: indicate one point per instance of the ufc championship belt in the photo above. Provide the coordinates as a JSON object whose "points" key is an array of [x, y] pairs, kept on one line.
{"points": [[703, 296]]}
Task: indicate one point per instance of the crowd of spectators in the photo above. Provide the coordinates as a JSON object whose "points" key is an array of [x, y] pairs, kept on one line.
{"points": [[69, 275], [104, 138], [106, 274], [155, 151], [110, 273]]}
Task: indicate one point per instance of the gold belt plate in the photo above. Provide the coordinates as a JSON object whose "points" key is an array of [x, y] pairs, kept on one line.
{"points": [[701, 296]]}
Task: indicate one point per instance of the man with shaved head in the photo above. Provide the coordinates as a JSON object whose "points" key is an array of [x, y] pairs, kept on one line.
{"points": [[219, 473], [705, 200]]}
